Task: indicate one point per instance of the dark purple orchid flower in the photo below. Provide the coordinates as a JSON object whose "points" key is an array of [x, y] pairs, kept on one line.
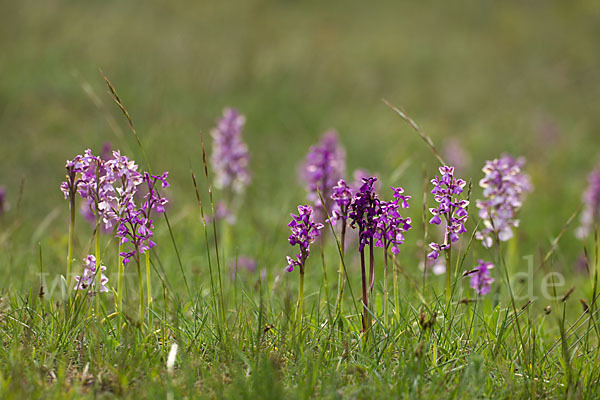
{"points": [[304, 232]]}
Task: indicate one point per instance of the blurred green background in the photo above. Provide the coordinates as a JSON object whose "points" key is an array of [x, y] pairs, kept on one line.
{"points": [[514, 76]]}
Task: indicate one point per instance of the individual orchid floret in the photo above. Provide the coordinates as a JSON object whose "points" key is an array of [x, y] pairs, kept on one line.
{"points": [[86, 211], [591, 200], [481, 279], [304, 232], [230, 157], [452, 209], [325, 164], [400, 198], [358, 176], [90, 276], [504, 189], [390, 225]]}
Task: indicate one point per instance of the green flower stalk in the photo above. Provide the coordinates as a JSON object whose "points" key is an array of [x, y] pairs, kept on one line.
{"points": [[136, 229], [389, 234], [121, 272], [365, 205], [342, 195], [71, 236], [69, 187], [149, 287], [141, 288], [446, 192], [304, 232]]}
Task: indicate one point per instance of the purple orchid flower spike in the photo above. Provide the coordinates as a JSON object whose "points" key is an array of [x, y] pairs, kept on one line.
{"points": [[364, 207], [591, 200], [452, 209], [390, 225], [505, 187], [342, 196], [325, 164], [135, 224], [230, 157], [304, 232], [75, 168]]}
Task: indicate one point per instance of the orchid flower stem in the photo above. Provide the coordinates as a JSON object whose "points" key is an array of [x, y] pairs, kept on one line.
{"points": [[396, 295], [120, 280], [448, 254], [300, 302], [365, 298], [385, 286], [341, 278], [141, 288], [149, 287], [325, 281], [71, 238], [371, 267], [97, 278]]}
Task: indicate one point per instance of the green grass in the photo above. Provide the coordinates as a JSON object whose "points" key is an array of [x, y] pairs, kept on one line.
{"points": [[520, 77]]}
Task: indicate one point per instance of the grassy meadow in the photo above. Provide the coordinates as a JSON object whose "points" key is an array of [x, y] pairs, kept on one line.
{"points": [[517, 77]]}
